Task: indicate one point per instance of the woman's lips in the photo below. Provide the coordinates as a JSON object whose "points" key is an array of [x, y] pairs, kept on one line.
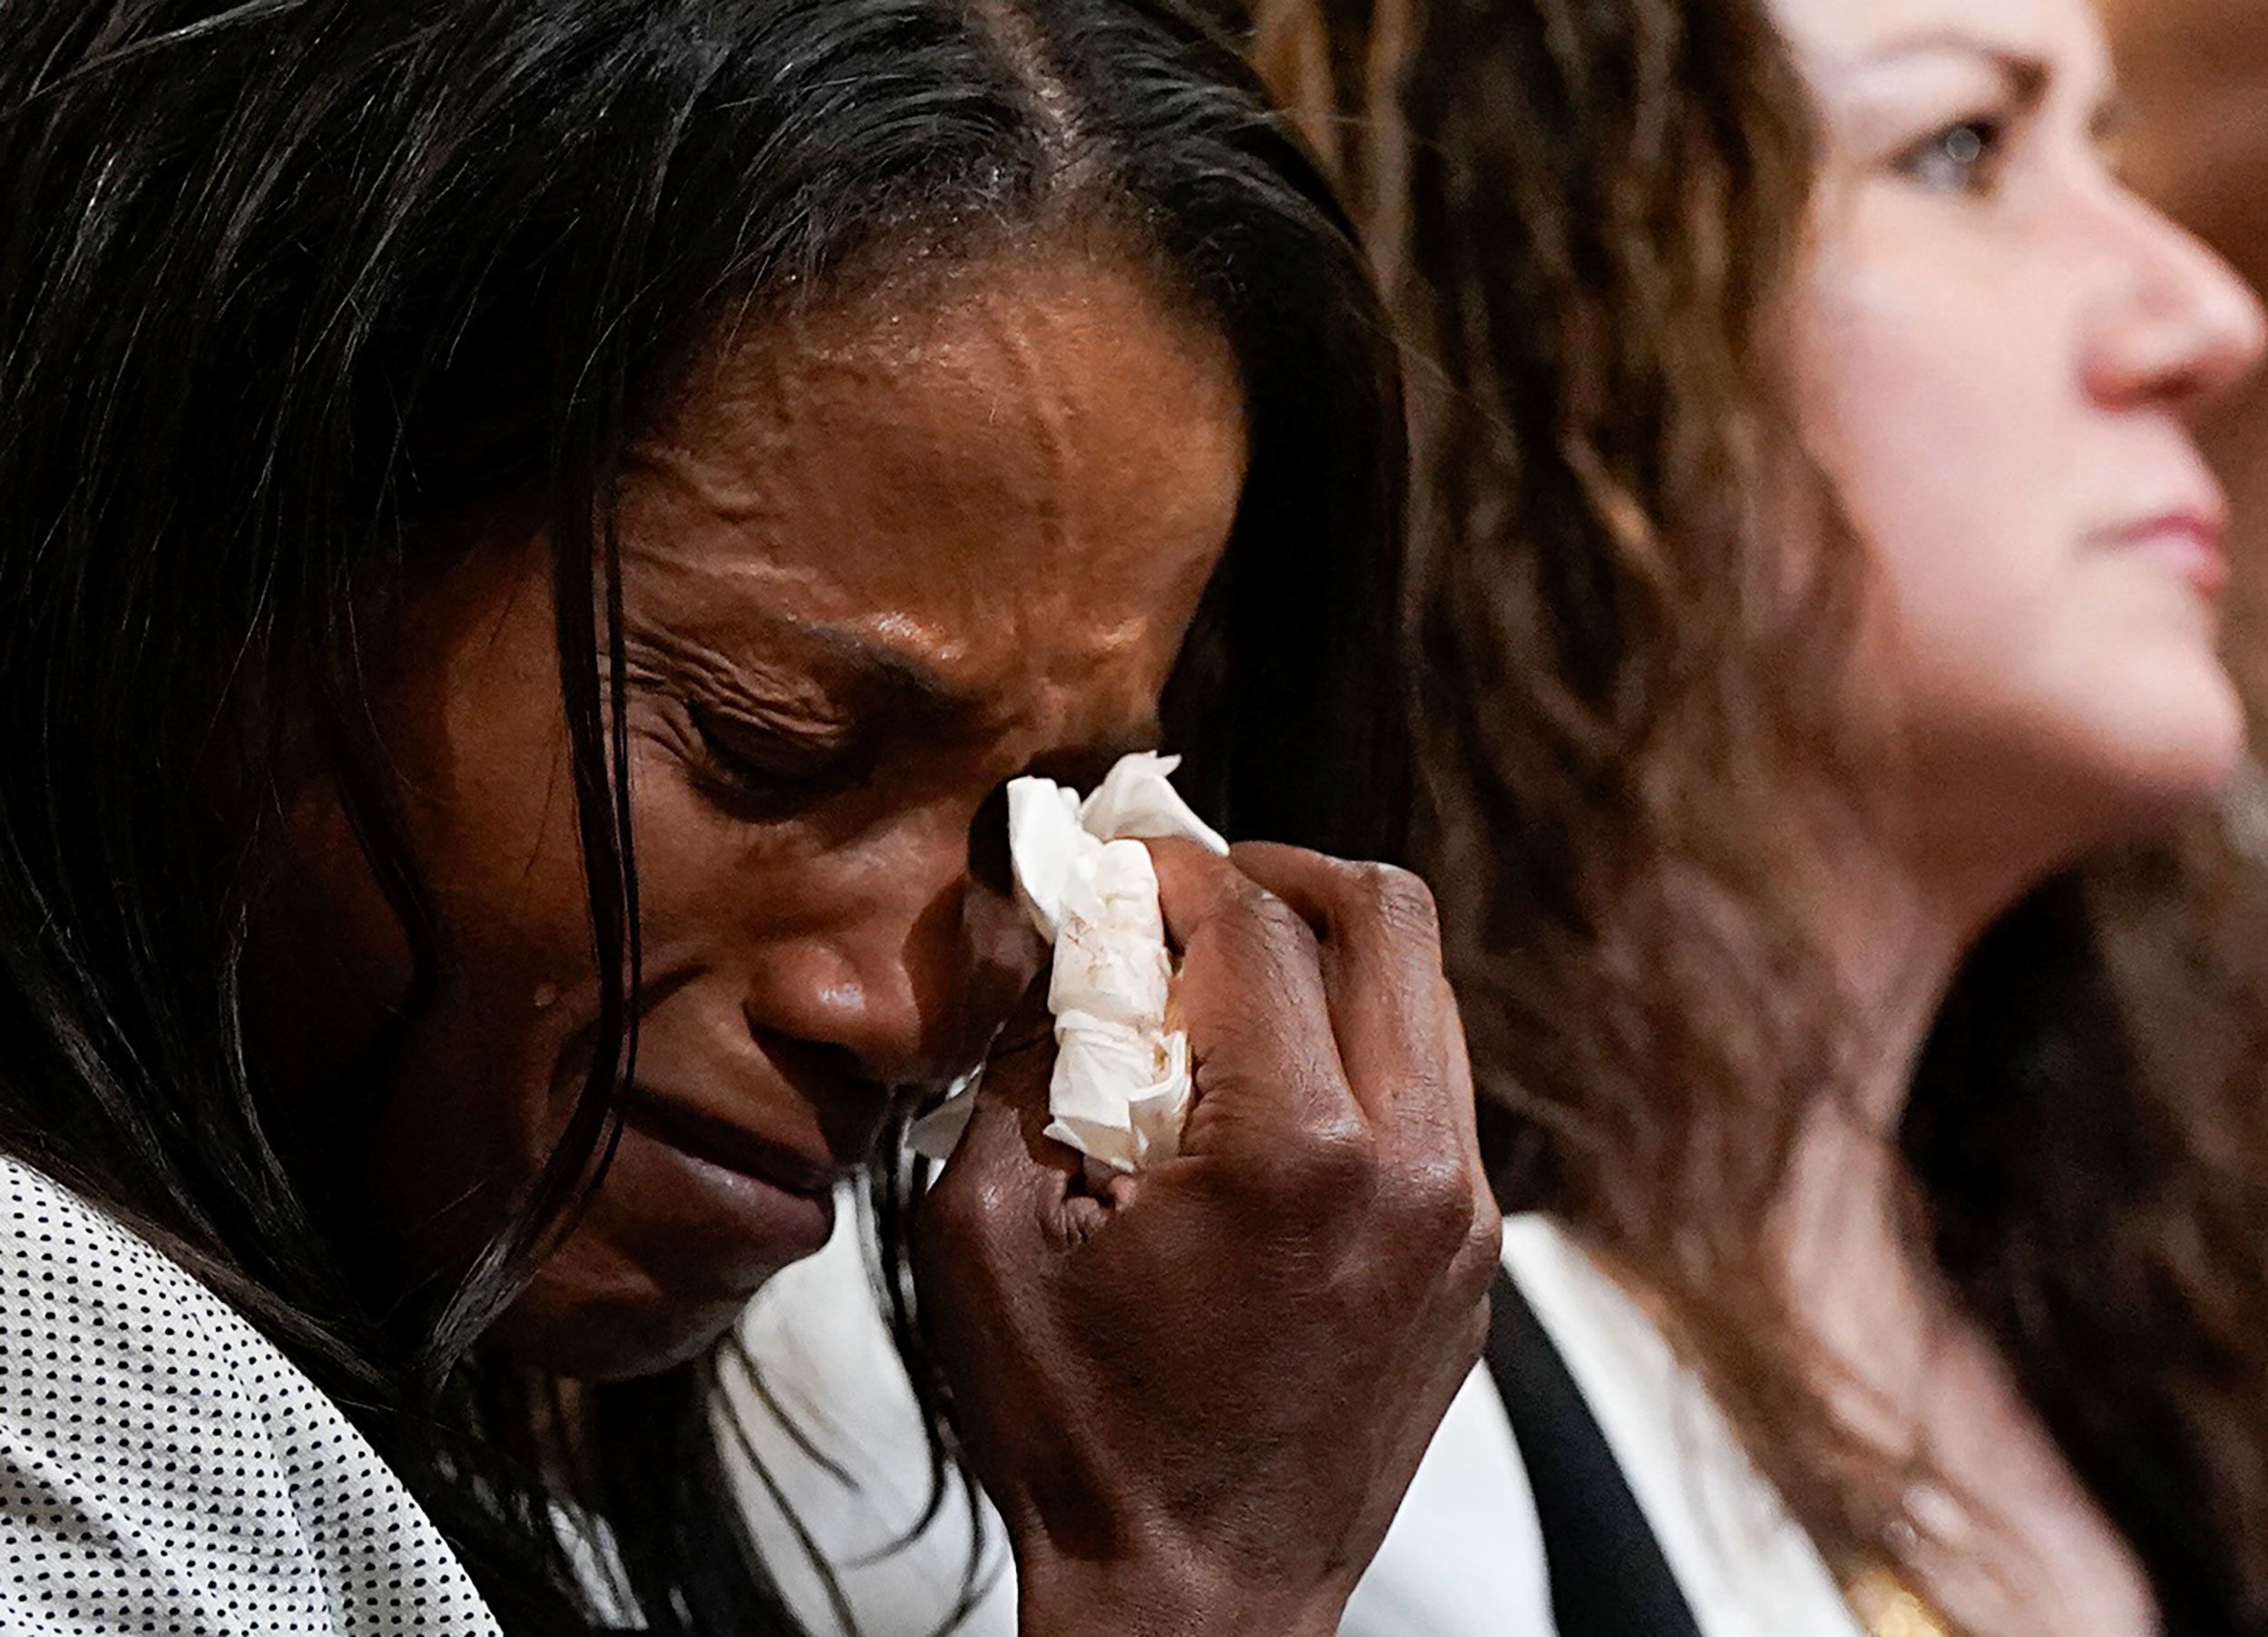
{"points": [[2188, 542], [741, 1191]]}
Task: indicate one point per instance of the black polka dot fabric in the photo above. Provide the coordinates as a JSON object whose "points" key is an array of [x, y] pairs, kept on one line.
{"points": [[164, 1469]]}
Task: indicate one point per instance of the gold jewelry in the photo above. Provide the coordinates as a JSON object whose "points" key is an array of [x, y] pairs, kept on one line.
{"points": [[1887, 1607]]}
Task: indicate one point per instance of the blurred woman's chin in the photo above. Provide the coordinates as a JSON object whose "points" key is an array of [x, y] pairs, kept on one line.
{"points": [[2174, 749]]}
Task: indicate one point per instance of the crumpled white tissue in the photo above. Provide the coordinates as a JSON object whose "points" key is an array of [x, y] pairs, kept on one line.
{"points": [[1121, 1086]]}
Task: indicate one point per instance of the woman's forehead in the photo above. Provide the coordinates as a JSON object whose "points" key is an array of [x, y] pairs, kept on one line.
{"points": [[1039, 472]]}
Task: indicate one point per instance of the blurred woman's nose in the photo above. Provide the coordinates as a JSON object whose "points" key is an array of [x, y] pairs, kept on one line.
{"points": [[2177, 326]]}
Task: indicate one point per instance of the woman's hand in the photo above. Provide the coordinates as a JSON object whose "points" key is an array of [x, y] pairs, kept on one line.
{"points": [[1197, 1399]]}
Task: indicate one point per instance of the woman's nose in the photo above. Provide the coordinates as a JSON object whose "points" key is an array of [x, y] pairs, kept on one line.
{"points": [[911, 980], [2178, 326]]}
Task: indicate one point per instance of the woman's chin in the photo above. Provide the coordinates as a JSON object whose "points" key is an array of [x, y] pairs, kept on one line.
{"points": [[581, 1330], [662, 1262], [2161, 766], [2004, 798], [604, 1313]]}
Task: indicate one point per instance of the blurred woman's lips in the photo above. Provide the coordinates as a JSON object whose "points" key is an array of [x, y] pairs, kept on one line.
{"points": [[772, 1197], [2186, 540]]}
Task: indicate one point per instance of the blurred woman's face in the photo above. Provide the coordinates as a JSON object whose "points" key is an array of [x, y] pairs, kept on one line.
{"points": [[1998, 349], [878, 563]]}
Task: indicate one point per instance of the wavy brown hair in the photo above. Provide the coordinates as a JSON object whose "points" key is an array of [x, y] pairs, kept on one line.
{"points": [[1599, 204]]}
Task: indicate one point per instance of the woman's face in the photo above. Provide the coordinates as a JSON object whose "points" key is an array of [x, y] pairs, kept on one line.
{"points": [[878, 563], [1997, 350]]}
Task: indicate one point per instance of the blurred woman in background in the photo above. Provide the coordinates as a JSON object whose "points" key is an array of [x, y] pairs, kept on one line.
{"points": [[1816, 578]]}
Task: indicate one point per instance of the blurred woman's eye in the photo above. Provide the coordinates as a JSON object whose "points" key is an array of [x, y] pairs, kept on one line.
{"points": [[1962, 158]]}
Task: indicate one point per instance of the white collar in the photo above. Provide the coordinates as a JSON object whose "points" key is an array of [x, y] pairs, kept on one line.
{"points": [[1746, 1568]]}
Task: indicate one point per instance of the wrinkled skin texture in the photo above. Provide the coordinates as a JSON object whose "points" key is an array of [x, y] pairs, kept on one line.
{"points": [[1327, 1232], [1998, 350], [877, 562], [874, 567]]}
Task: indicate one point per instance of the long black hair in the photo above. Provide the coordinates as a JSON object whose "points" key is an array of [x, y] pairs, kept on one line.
{"points": [[292, 289]]}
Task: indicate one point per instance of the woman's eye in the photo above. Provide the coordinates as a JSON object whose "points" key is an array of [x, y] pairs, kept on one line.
{"points": [[762, 770], [1959, 159]]}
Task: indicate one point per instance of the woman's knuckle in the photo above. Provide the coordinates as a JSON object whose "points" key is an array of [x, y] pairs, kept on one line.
{"points": [[1335, 1163], [1477, 1259], [1400, 899], [1484, 1239], [1206, 888], [1273, 919], [1433, 1206]]}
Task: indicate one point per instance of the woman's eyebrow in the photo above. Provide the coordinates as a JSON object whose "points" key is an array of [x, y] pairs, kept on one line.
{"points": [[2027, 74], [768, 654], [883, 675]]}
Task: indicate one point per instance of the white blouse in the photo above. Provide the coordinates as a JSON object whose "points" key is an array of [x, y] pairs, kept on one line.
{"points": [[1463, 1559], [163, 1468], [843, 1442]]}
